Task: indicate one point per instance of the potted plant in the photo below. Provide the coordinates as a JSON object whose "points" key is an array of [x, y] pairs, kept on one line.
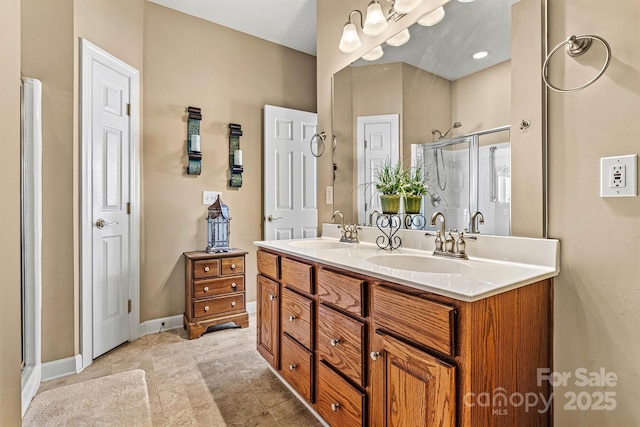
{"points": [[389, 184], [413, 187]]}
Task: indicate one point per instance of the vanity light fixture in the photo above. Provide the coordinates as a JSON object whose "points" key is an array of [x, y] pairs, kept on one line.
{"points": [[375, 22], [373, 54], [432, 18], [350, 41], [480, 55], [399, 39], [406, 6]]}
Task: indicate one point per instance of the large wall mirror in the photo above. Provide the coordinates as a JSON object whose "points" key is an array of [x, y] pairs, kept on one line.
{"points": [[441, 102]]}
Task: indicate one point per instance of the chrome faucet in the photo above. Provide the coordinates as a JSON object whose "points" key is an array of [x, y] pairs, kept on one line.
{"points": [[336, 213], [446, 245], [349, 231], [476, 218]]}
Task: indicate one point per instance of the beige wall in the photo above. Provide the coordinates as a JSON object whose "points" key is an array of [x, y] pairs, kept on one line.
{"points": [[597, 299], [10, 214], [230, 76]]}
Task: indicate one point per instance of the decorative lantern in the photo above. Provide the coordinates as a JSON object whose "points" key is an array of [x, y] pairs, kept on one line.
{"points": [[218, 228]]}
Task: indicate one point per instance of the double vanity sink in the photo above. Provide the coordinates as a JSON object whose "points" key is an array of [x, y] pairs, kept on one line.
{"points": [[496, 264]]}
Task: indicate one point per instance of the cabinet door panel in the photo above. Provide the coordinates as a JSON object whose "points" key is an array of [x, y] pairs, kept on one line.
{"points": [[268, 320], [410, 387]]}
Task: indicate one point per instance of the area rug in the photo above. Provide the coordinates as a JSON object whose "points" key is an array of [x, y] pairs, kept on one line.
{"points": [[115, 400]]}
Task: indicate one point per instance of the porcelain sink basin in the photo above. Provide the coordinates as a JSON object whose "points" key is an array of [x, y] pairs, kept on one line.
{"points": [[422, 264], [318, 244]]}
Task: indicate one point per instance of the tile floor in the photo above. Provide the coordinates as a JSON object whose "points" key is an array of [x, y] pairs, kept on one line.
{"points": [[218, 379]]}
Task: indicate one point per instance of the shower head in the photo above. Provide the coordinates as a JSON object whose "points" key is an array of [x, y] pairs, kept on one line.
{"points": [[453, 126]]}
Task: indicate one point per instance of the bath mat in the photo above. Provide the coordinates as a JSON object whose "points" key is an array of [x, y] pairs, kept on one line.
{"points": [[115, 400]]}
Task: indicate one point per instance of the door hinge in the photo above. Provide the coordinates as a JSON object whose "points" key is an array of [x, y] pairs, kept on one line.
{"points": [[128, 109], [129, 306], [128, 208], [365, 144]]}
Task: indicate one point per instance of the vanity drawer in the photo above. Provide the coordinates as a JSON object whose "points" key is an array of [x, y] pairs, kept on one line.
{"points": [[206, 268], [338, 402], [269, 264], [213, 287], [341, 290], [297, 275], [420, 320], [232, 265], [296, 316], [340, 343], [296, 362], [210, 307]]}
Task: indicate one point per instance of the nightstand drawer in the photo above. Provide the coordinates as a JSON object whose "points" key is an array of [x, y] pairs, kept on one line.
{"points": [[296, 317], [211, 307], [231, 265], [296, 362], [214, 287], [341, 343], [206, 268], [338, 402]]}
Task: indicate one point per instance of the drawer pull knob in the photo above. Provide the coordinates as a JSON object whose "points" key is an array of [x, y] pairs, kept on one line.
{"points": [[374, 355], [272, 297], [206, 308], [335, 407], [233, 303], [292, 318], [206, 289], [334, 342], [233, 285], [206, 269], [292, 368], [233, 266]]}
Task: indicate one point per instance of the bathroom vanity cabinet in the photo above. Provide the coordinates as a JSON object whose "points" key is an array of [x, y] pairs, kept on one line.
{"points": [[366, 351]]}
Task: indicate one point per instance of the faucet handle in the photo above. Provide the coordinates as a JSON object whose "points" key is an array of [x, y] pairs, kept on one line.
{"points": [[438, 241], [460, 244]]}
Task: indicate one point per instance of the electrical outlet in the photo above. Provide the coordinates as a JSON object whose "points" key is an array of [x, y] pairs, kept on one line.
{"points": [[618, 176], [328, 195], [208, 197]]}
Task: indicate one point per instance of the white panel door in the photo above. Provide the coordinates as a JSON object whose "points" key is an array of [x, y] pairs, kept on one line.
{"points": [[290, 174], [378, 142], [110, 175]]}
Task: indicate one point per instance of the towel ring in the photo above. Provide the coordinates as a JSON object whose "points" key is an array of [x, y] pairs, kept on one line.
{"points": [[576, 46], [320, 137]]}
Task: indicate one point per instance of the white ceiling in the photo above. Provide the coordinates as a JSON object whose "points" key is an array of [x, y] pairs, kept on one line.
{"points": [[290, 23]]}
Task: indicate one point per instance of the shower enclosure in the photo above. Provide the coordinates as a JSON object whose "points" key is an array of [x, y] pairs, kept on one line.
{"points": [[467, 174]]}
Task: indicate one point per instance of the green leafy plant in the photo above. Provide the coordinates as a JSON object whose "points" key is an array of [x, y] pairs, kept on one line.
{"points": [[413, 183], [389, 179]]}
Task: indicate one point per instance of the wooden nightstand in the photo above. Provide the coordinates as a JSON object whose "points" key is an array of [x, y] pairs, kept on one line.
{"points": [[214, 290]]}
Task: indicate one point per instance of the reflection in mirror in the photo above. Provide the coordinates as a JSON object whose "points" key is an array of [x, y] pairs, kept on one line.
{"points": [[399, 106]]}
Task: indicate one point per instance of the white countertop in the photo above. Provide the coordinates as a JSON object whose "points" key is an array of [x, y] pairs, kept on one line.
{"points": [[496, 264]]}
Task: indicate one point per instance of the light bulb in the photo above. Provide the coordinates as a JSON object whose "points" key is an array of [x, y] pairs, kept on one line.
{"points": [[480, 55], [350, 42], [432, 18], [373, 54], [406, 6], [399, 39], [375, 23]]}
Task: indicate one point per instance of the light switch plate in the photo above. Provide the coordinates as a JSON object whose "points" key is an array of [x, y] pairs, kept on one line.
{"points": [[328, 195], [208, 197], [618, 176]]}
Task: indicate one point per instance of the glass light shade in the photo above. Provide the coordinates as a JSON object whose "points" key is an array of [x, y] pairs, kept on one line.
{"points": [[350, 42], [399, 39], [432, 18], [375, 23], [373, 54], [406, 6]]}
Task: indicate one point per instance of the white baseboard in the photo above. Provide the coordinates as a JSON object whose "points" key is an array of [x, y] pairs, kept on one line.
{"points": [[61, 367], [252, 307], [31, 376], [153, 326]]}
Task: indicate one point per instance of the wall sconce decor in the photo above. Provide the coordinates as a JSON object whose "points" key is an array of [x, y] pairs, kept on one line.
{"points": [[235, 155], [218, 227], [194, 117]]}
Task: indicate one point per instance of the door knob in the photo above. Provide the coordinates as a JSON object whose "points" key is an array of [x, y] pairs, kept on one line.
{"points": [[271, 218], [101, 223]]}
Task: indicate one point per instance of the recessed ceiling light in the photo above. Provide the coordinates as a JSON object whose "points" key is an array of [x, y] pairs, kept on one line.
{"points": [[466, 1], [481, 54]]}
